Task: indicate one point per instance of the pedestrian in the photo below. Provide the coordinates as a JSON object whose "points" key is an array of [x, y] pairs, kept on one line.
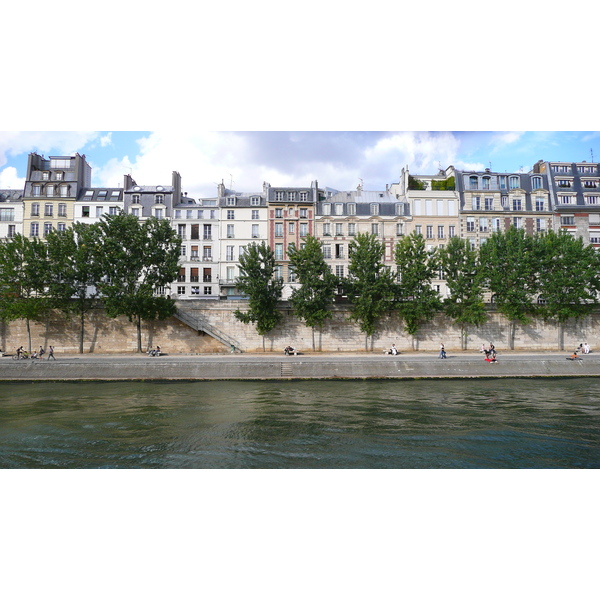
{"points": [[41, 352], [442, 351], [51, 353], [492, 350]]}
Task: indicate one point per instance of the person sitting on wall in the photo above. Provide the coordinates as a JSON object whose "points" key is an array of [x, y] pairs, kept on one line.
{"points": [[393, 350], [288, 350]]}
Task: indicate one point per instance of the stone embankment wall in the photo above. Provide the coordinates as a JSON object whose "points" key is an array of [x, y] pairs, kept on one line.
{"points": [[105, 335]]}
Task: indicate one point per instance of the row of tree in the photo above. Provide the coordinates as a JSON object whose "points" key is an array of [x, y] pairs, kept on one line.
{"points": [[551, 275], [120, 261]]}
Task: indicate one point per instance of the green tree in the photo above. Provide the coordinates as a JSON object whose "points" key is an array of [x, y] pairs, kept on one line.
{"points": [[464, 304], [23, 281], [75, 271], [416, 300], [312, 301], [257, 281], [369, 285], [568, 278], [508, 262], [138, 260]]}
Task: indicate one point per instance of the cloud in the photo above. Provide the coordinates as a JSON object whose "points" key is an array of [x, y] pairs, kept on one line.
{"points": [[10, 180], [106, 140], [13, 143]]}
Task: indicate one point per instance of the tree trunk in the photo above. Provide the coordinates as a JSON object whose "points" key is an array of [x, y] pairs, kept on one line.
{"points": [[313, 338], [511, 335], [81, 332], [28, 335], [139, 333], [561, 336]]}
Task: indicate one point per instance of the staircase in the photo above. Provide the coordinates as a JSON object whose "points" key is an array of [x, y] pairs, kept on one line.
{"points": [[200, 324]]}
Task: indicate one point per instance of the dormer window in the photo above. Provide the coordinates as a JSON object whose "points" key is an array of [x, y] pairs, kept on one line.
{"points": [[536, 183], [473, 182], [513, 182], [231, 201], [45, 176], [49, 190], [159, 199], [58, 175], [135, 199], [563, 183]]}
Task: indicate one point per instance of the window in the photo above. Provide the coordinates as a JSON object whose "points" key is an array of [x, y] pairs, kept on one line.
{"points": [[279, 196], [485, 183], [7, 214], [60, 163], [278, 229], [134, 211], [504, 201], [517, 204], [62, 210], [564, 199], [496, 224], [113, 210], [278, 251], [45, 176], [231, 201], [476, 203], [58, 176], [255, 233], [563, 183], [255, 201], [451, 231], [429, 231], [470, 224], [182, 251], [339, 209], [159, 199], [567, 220], [135, 199], [540, 204], [255, 216], [303, 229], [47, 228], [483, 224], [230, 231], [303, 196], [278, 272], [518, 222], [473, 182], [35, 210], [195, 290], [489, 204], [207, 253], [99, 210], [230, 273], [326, 229], [34, 229], [290, 211], [418, 229], [339, 251], [181, 231], [326, 209], [37, 190], [339, 229], [181, 290], [540, 225], [115, 194], [291, 196], [375, 229], [230, 214], [513, 182], [49, 190], [11, 231], [85, 211], [400, 229], [64, 191], [291, 275], [536, 183], [48, 210], [326, 252], [158, 213], [303, 213], [351, 208], [291, 227], [339, 271], [374, 209], [592, 199], [279, 213], [351, 229], [229, 253], [440, 232], [207, 231], [207, 290]]}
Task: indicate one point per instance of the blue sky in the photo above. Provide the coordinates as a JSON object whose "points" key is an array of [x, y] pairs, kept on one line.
{"points": [[245, 159]]}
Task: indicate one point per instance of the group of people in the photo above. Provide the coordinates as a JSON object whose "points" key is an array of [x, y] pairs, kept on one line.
{"points": [[393, 350], [489, 353], [24, 354], [584, 348], [288, 351], [154, 351]]}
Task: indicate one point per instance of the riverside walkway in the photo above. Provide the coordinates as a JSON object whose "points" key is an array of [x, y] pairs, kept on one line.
{"points": [[317, 365]]}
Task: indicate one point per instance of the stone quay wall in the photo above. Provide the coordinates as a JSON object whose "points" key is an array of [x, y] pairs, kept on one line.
{"points": [[104, 335]]}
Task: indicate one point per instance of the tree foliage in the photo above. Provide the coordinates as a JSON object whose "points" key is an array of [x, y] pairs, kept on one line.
{"points": [[462, 273], [311, 302], [257, 281], [138, 259], [416, 299], [370, 284], [23, 280]]}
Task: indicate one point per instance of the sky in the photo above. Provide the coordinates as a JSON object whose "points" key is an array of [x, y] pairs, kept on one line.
{"points": [[243, 160]]}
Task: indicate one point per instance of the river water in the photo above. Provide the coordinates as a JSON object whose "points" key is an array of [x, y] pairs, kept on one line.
{"points": [[500, 423]]}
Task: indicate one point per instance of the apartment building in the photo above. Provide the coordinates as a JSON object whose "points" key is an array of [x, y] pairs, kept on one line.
{"points": [[290, 219], [340, 216], [491, 201], [575, 188], [95, 203], [146, 201], [51, 188], [243, 220], [11, 213]]}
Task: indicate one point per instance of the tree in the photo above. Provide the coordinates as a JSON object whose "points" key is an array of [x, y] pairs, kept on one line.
{"points": [[369, 285], [567, 277], [257, 281], [312, 301], [464, 304], [416, 300], [138, 260], [508, 262], [23, 280], [75, 270]]}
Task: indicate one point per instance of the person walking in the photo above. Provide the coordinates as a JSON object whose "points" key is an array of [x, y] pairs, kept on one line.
{"points": [[51, 353], [442, 351]]}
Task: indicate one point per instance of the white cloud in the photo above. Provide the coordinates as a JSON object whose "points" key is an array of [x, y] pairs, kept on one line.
{"points": [[10, 180], [106, 140], [59, 142]]}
